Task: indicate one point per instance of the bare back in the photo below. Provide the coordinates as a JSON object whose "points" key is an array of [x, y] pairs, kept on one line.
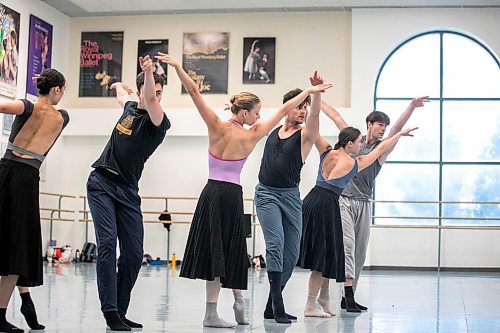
{"points": [[40, 131], [231, 141], [336, 164]]}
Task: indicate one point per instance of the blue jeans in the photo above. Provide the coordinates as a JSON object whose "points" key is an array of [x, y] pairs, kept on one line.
{"points": [[116, 211], [280, 215]]}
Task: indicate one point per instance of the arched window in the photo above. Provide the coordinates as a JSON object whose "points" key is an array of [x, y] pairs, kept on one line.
{"points": [[455, 154]]}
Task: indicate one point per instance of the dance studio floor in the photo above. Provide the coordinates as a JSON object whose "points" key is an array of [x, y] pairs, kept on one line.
{"points": [[163, 302]]}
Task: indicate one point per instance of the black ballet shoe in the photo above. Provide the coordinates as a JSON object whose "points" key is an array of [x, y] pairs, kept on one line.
{"points": [[130, 323], [269, 314], [114, 321], [9, 328], [5, 326], [29, 312], [277, 299], [361, 307], [350, 304]]}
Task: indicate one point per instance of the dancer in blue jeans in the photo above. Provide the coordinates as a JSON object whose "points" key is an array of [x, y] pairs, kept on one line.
{"points": [[112, 190], [277, 197]]}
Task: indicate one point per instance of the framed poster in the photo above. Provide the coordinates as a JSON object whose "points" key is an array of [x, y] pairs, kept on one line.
{"points": [[259, 60], [9, 50], [151, 47], [39, 53], [100, 63], [205, 59]]}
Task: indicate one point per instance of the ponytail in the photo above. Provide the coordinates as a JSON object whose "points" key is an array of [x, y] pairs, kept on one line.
{"points": [[346, 135]]}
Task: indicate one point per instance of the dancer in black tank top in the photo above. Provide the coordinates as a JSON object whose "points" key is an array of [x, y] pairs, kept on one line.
{"points": [[277, 196]]}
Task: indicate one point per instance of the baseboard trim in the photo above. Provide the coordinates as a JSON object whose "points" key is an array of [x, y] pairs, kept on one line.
{"points": [[431, 269]]}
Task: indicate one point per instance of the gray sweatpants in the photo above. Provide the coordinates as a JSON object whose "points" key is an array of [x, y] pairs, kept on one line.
{"points": [[280, 215], [356, 219]]}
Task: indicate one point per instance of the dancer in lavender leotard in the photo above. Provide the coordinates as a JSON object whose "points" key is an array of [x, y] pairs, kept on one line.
{"points": [[216, 247]]}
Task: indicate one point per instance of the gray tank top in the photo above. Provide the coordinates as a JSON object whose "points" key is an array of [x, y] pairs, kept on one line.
{"points": [[361, 186]]}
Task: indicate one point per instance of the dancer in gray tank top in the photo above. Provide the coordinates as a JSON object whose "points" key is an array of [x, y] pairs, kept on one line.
{"points": [[355, 206]]}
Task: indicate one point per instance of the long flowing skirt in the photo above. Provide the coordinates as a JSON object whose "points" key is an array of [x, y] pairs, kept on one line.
{"points": [[20, 231], [216, 245], [322, 245]]}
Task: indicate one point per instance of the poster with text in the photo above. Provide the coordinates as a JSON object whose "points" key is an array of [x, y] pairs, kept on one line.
{"points": [[9, 50], [151, 47], [259, 60], [205, 59], [39, 53], [100, 63]]}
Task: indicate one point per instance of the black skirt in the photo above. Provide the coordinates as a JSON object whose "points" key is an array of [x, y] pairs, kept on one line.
{"points": [[322, 245], [216, 245], [20, 231]]}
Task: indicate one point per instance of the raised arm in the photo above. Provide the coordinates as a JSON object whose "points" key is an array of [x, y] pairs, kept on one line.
{"points": [[209, 116], [252, 49], [15, 108], [403, 118], [386, 145], [322, 145], [334, 115], [311, 130], [153, 106], [123, 92], [262, 128]]}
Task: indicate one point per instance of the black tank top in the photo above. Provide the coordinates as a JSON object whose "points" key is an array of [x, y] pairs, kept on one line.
{"points": [[282, 161]]}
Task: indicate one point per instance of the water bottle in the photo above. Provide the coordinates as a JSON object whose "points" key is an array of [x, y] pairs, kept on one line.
{"points": [[174, 261]]}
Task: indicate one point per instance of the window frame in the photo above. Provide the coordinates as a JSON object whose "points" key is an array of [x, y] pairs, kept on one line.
{"points": [[441, 100]]}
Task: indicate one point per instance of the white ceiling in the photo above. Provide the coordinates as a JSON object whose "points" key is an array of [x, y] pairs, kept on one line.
{"points": [[76, 8]]}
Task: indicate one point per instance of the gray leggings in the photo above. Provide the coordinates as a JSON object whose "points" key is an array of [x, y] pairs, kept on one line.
{"points": [[280, 215], [356, 219]]}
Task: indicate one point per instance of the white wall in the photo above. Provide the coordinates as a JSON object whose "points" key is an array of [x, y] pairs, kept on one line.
{"points": [[304, 42]]}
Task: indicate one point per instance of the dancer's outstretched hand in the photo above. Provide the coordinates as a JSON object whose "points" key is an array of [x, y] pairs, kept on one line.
{"points": [[407, 131], [146, 63], [163, 57], [123, 86], [420, 101]]}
